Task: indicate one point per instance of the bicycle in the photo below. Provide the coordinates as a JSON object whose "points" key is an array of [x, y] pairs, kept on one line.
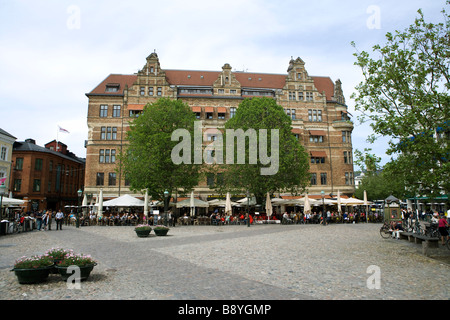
{"points": [[386, 230], [16, 227]]}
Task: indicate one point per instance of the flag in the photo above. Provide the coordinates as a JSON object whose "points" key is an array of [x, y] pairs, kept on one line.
{"points": [[63, 130], [2, 180]]}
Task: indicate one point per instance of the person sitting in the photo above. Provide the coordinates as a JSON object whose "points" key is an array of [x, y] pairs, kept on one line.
{"points": [[397, 228]]}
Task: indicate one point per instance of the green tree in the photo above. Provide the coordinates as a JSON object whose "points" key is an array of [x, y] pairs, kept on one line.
{"points": [[405, 96], [147, 161], [292, 172]]}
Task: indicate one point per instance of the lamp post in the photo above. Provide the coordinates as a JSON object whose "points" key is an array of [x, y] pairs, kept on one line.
{"points": [[166, 196], [2, 192], [80, 193]]}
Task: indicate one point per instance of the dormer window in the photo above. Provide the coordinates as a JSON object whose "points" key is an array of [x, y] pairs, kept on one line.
{"points": [[112, 87]]}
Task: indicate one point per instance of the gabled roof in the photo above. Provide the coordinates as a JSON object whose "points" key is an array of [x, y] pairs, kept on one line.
{"points": [[207, 79], [29, 146], [114, 79], [6, 133]]}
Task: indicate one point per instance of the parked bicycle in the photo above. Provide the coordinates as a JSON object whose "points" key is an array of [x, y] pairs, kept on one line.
{"points": [[386, 230]]}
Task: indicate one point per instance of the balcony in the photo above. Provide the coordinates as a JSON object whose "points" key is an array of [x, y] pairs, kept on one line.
{"points": [[343, 124]]}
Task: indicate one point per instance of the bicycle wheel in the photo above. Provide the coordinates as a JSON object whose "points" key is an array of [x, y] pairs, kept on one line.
{"points": [[385, 232]]}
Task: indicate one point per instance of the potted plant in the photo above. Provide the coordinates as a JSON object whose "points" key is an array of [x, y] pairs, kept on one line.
{"points": [[58, 255], [161, 230], [84, 262], [142, 230], [33, 270]]}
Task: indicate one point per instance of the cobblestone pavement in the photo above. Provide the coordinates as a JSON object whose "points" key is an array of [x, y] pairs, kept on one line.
{"points": [[264, 262]]}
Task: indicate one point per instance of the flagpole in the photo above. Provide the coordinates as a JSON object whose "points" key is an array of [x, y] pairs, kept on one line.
{"points": [[57, 143]]}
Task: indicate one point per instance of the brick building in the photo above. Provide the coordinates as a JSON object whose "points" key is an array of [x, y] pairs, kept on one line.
{"points": [[316, 106], [46, 178]]}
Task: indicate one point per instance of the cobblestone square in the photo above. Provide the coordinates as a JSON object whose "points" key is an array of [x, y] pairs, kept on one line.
{"points": [[268, 262]]}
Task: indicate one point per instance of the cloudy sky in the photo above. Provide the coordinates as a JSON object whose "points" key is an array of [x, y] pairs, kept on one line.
{"points": [[53, 52]]}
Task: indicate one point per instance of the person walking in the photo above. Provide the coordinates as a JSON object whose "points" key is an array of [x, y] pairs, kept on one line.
{"points": [[49, 219], [38, 220], [442, 227], [44, 220], [59, 220]]}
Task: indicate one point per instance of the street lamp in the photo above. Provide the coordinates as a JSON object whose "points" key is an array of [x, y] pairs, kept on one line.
{"points": [[166, 196], [2, 192], [80, 193]]}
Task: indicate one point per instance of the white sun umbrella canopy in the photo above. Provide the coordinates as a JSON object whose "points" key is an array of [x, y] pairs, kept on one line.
{"points": [[269, 208], [11, 202], [100, 204], [228, 207], [307, 206], [146, 203], [339, 201], [124, 201], [192, 204]]}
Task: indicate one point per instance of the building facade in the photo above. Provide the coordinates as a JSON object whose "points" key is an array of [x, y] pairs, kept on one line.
{"points": [[6, 148], [44, 177], [316, 105]]}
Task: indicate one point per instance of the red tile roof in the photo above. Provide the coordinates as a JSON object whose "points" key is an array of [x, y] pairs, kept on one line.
{"points": [[207, 78]]}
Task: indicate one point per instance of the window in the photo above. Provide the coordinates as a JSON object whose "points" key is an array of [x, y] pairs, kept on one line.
{"points": [[112, 87], [300, 96], [313, 179], [107, 156], [37, 185], [233, 91], [221, 91], [323, 178], [107, 152], [50, 166], [150, 91], [3, 153], [210, 180], [112, 179], [19, 164], [134, 113], [38, 164], [114, 133], [116, 111], [209, 115], [290, 113], [317, 160], [349, 178], [316, 139], [100, 178], [309, 96], [232, 112], [292, 95], [103, 111], [220, 115], [17, 185], [346, 157], [142, 92], [346, 136], [315, 115], [159, 91], [103, 133], [108, 133]]}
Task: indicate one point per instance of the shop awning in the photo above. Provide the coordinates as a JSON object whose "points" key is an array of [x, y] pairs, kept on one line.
{"points": [[196, 109], [136, 107], [318, 154], [209, 109], [317, 132]]}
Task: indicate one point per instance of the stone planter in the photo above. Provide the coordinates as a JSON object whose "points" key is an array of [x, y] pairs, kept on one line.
{"points": [[161, 232], [143, 233], [85, 271], [35, 275]]}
